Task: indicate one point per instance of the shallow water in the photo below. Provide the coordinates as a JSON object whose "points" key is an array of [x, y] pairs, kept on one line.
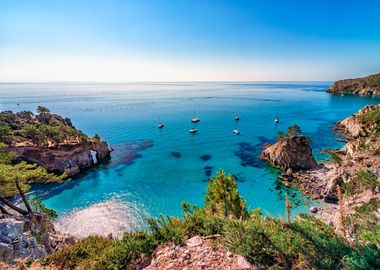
{"points": [[152, 171]]}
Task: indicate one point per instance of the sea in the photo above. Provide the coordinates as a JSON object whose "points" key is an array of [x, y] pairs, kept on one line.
{"points": [[152, 171]]}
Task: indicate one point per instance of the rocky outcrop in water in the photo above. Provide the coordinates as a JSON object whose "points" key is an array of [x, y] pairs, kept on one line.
{"points": [[369, 85], [31, 237], [292, 152], [69, 159]]}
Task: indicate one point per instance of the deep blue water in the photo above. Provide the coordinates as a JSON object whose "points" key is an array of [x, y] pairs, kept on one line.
{"points": [[145, 176]]}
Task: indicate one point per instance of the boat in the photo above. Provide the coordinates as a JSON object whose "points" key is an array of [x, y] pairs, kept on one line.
{"points": [[237, 117], [193, 130], [276, 119], [195, 119], [160, 124], [236, 132]]}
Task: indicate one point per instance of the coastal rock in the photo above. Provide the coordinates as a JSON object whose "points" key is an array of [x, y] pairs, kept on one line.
{"points": [[360, 124], [27, 237], [369, 85], [200, 254], [360, 156], [71, 159], [292, 152]]}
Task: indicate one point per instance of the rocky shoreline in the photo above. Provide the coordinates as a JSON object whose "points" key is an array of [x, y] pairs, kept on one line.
{"points": [[355, 168]]}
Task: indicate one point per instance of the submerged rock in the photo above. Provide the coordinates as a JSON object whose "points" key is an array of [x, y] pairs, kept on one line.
{"points": [[176, 154], [292, 152], [205, 157]]}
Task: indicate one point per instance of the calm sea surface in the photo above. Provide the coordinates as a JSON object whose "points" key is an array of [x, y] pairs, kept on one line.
{"points": [[152, 171]]}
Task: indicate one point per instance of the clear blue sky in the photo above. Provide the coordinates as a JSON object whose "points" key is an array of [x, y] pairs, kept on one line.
{"points": [[183, 40]]}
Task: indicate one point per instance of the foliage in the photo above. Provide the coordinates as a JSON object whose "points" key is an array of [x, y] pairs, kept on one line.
{"points": [[222, 197], [372, 118], [43, 129], [26, 174], [42, 109], [364, 222], [269, 243], [5, 132], [15, 179], [293, 130], [280, 136], [38, 206], [365, 179], [334, 156]]}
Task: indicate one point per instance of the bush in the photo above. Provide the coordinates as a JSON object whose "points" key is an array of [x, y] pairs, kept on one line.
{"points": [[269, 243]]}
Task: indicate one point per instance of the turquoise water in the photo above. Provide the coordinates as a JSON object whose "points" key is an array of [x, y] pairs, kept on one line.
{"points": [[145, 176]]}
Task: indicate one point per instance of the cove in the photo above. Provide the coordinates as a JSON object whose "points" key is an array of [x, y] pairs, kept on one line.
{"points": [[153, 170]]}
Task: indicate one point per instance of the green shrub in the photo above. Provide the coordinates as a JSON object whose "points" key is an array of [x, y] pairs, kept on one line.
{"points": [[270, 243]]}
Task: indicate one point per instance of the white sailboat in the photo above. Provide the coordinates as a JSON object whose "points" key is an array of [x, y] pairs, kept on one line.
{"points": [[277, 119], [160, 124], [195, 119]]}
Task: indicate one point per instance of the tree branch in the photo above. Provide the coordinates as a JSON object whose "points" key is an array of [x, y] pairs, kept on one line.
{"points": [[14, 207]]}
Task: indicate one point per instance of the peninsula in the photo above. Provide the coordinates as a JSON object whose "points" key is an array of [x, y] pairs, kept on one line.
{"points": [[369, 85]]}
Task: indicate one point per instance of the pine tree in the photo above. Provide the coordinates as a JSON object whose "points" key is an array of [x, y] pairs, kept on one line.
{"points": [[223, 198], [288, 207]]}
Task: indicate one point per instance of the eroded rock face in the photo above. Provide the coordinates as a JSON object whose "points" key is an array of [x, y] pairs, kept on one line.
{"points": [[71, 159], [358, 125], [292, 152], [28, 237], [369, 85]]}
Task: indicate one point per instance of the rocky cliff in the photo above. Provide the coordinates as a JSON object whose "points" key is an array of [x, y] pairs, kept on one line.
{"points": [[31, 237], [369, 85], [69, 159], [291, 152], [50, 141]]}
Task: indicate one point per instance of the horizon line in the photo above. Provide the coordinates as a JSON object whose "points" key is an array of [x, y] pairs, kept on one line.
{"points": [[158, 82]]}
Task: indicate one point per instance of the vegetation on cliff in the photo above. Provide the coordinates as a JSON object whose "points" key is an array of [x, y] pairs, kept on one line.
{"points": [[268, 243], [44, 129], [291, 151], [369, 85], [15, 179]]}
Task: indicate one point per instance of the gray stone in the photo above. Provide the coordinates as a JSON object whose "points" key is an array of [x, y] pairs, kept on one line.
{"points": [[194, 241]]}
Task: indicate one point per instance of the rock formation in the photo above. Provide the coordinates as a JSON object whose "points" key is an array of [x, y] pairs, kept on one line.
{"points": [[31, 237], [197, 254], [292, 152], [369, 85], [50, 141], [71, 159]]}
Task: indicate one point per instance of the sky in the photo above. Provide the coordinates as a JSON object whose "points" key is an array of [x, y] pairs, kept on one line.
{"points": [[187, 40]]}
